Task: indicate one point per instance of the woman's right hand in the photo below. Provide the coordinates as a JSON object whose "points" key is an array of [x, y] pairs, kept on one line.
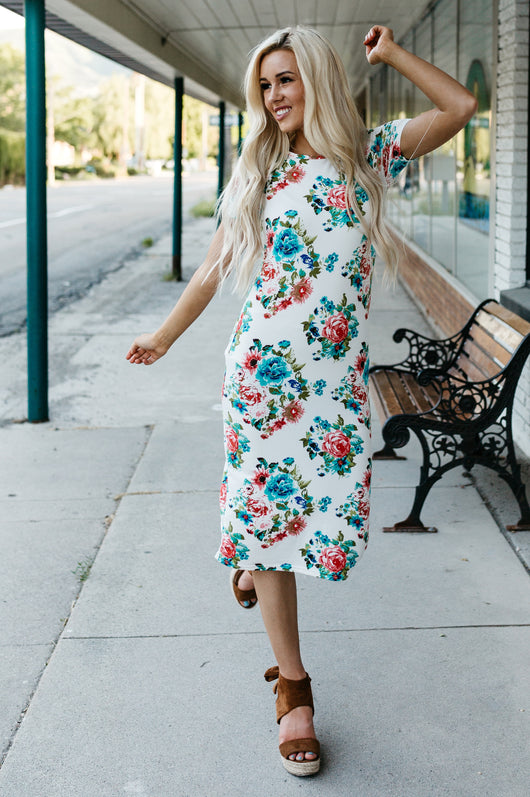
{"points": [[146, 350]]}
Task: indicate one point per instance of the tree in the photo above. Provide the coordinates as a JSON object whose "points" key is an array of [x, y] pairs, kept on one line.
{"points": [[12, 89]]}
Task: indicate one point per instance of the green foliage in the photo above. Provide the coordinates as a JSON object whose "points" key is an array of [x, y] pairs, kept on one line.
{"points": [[205, 207], [83, 568], [12, 157], [12, 89], [103, 124], [113, 116], [160, 113], [73, 118]]}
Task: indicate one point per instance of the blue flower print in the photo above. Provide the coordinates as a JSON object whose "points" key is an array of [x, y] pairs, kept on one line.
{"points": [[319, 386], [330, 261], [287, 244], [280, 487], [295, 385], [291, 213], [324, 503], [272, 369]]}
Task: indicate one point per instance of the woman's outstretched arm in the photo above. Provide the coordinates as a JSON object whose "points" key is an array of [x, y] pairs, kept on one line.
{"points": [[150, 347], [455, 105]]}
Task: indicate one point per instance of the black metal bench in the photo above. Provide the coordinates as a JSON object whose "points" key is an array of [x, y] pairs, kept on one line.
{"points": [[456, 395]]}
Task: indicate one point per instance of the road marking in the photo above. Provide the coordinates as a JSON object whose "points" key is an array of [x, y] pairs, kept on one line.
{"points": [[12, 222], [66, 212], [57, 215]]}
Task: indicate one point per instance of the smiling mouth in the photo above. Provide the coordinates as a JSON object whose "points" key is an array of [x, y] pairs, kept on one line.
{"points": [[281, 113]]}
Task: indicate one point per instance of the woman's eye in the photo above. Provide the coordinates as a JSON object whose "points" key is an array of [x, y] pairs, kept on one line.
{"points": [[286, 79], [264, 86]]}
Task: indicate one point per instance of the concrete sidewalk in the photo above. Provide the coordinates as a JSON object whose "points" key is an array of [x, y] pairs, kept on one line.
{"points": [[138, 674]]}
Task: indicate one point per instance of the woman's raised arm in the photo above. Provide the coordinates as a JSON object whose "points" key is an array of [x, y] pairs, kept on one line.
{"points": [[455, 105], [150, 347]]}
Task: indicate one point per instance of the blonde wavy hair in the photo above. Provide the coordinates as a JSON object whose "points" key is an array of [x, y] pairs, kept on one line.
{"points": [[333, 128]]}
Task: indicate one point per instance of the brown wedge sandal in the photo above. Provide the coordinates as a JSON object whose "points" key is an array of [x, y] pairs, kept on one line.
{"points": [[242, 595], [291, 694]]}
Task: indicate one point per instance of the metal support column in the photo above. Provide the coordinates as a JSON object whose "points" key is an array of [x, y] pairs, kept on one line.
{"points": [[36, 236], [177, 184], [221, 160], [239, 132]]}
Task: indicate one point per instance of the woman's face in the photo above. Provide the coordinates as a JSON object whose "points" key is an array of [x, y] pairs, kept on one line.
{"points": [[283, 90]]}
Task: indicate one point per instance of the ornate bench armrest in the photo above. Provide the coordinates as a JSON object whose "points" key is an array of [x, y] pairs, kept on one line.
{"points": [[430, 354]]}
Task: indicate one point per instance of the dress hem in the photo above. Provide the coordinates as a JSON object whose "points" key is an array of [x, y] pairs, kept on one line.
{"points": [[279, 569]]}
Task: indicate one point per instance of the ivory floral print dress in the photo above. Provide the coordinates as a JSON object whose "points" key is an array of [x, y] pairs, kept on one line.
{"points": [[295, 494]]}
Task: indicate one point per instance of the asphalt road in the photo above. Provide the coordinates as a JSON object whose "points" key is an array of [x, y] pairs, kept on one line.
{"points": [[92, 228]]}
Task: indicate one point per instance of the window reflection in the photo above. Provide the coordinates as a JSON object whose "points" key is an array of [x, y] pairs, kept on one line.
{"points": [[442, 200]]}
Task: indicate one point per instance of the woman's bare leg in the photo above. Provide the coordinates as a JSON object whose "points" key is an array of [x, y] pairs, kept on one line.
{"points": [[276, 593]]}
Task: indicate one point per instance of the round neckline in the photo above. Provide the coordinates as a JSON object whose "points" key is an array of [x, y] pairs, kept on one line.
{"points": [[309, 157]]}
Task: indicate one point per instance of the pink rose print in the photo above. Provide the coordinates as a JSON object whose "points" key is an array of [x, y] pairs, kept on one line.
{"points": [[232, 440], [258, 506], [270, 239], [250, 394], [222, 495], [337, 197], [269, 270], [336, 443], [334, 558], [336, 328], [227, 548]]}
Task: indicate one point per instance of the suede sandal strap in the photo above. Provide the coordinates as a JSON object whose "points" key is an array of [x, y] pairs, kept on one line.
{"points": [[300, 746], [290, 694], [243, 595]]}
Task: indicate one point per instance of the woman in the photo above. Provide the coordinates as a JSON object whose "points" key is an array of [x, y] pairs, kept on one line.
{"points": [[306, 200]]}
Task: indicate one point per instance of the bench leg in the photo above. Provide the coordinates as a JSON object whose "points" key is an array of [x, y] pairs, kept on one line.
{"points": [[518, 489], [428, 476], [387, 452], [413, 523], [498, 441]]}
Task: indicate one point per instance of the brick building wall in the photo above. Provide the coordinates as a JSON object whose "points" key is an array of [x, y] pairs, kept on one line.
{"points": [[511, 158]]}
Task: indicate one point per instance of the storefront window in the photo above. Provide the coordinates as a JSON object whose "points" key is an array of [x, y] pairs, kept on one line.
{"points": [[474, 148], [443, 160], [442, 200]]}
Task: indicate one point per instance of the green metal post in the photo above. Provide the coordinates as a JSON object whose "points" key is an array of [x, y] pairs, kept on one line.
{"points": [[37, 249], [177, 184], [239, 132], [221, 160]]}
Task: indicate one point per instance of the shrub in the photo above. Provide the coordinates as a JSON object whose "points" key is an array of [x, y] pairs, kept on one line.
{"points": [[12, 158], [205, 207]]}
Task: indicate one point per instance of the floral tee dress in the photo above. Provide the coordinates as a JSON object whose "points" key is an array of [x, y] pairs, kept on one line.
{"points": [[295, 494]]}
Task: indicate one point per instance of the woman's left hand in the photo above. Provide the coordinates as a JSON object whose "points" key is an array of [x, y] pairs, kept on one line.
{"points": [[375, 42]]}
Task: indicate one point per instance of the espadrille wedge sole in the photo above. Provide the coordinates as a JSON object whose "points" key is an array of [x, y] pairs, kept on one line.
{"points": [[291, 694]]}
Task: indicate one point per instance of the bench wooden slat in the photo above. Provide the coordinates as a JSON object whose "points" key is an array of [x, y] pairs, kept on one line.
{"points": [[476, 363], [499, 354], [406, 399], [512, 319], [509, 337], [397, 393], [385, 394]]}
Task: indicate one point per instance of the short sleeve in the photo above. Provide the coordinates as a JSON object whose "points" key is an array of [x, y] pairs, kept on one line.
{"points": [[383, 149]]}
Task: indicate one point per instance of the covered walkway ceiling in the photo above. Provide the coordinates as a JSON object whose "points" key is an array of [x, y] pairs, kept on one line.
{"points": [[208, 41]]}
